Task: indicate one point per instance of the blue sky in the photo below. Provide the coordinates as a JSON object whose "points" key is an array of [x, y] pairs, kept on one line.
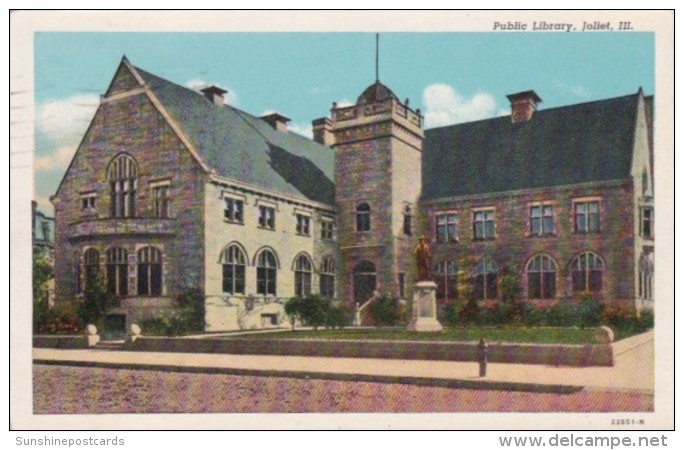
{"points": [[451, 77]]}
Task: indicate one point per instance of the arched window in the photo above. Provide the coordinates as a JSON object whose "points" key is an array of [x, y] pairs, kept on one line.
{"points": [[485, 282], [149, 271], [266, 273], [91, 260], [408, 218], [445, 276], [327, 278], [364, 281], [233, 261], [541, 277], [587, 273], [117, 271], [363, 217], [303, 269], [123, 179]]}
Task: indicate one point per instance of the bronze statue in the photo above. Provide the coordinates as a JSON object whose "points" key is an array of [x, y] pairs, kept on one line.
{"points": [[423, 258]]}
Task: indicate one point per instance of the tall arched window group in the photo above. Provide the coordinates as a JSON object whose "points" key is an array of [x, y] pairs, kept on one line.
{"points": [[149, 262], [123, 180]]}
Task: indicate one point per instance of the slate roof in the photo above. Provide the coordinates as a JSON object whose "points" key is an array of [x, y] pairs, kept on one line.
{"points": [[242, 147], [376, 93], [581, 143]]}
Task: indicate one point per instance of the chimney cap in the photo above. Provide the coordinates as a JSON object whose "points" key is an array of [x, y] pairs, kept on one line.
{"points": [[524, 95], [213, 90], [275, 117]]}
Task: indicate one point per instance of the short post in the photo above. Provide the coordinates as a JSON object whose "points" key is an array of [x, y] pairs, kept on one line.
{"points": [[91, 336], [482, 356], [357, 315], [133, 333]]}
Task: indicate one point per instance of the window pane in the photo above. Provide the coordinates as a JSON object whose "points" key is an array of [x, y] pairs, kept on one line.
{"points": [[478, 286], [111, 278], [549, 288], [491, 285], [536, 226], [156, 279], [534, 284], [479, 230], [595, 280], [489, 229], [578, 281], [548, 225], [143, 287]]}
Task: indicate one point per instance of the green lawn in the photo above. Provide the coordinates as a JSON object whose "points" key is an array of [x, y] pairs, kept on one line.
{"points": [[540, 335]]}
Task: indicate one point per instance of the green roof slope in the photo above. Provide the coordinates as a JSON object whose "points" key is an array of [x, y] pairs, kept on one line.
{"points": [[245, 148], [581, 143]]}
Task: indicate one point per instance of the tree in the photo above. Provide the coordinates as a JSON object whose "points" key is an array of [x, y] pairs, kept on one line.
{"points": [[314, 310], [385, 311], [42, 273], [97, 299], [293, 309]]}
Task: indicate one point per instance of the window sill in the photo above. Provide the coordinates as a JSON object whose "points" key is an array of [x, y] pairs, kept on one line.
{"points": [[447, 242], [233, 222], [303, 235], [541, 236], [265, 228], [580, 233], [485, 239]]}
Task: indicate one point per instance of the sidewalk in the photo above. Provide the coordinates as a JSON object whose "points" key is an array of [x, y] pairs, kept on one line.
{"points": [[633, 370]]}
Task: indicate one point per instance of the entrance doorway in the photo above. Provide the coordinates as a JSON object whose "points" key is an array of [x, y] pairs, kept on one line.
{"points": [[364, 281]]}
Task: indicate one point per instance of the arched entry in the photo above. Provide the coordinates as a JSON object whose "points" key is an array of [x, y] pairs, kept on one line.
{"points": [[364, 281]]}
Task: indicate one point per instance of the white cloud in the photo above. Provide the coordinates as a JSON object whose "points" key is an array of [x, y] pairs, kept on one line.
{"points": [[575, 89], [344, 103], [197, 84], [68, 118], [445, 106], [314, 90], [56, 161], [302, 129]]}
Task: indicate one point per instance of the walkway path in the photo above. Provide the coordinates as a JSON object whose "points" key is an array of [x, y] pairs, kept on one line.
{"points": [[633, 370]]}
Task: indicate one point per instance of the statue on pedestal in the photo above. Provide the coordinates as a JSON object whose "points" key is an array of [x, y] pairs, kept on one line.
{"points": [[423, 259]]}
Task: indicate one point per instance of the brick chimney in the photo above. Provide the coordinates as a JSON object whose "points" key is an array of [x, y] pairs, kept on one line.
{"points": [[214, 94], [322, 131], [523, 105], [277, 121]]}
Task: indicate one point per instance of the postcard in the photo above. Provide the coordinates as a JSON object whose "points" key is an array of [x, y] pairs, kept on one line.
{"points": [[342, 220]]}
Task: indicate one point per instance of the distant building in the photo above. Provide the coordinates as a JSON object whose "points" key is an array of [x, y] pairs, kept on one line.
{"points": [[42, 230], [172, 188]]}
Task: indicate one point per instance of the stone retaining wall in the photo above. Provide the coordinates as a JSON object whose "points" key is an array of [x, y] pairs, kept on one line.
{"points": [[60, 342], [558, 355]]}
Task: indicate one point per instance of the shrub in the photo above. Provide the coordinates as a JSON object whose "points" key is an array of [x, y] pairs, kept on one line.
{"points": [[589, 312], [619, 316], [314, 310], [385, 311], [510, 287], [337, 317], [646, 319], [190, 312], [468, 311], [532, 314], [62, 319], [450, 313], [562, 314]]}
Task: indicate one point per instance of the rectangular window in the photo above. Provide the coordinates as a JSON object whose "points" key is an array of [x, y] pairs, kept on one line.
{"points": [[483, 224], [541, 220], [88, 202], [160, 197], [408, 231], [233, 210], [234, 279], [303, 225], [327, 229], [267, 217], [587, 217], [647, 222], [266, 281], [446, 227]]}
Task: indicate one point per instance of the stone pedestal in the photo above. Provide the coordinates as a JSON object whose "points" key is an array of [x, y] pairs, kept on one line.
{"points": [[424, 309]]}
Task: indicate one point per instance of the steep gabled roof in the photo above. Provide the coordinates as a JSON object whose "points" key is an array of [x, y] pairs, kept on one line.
{"points": [[242, 147], [581, 143]]}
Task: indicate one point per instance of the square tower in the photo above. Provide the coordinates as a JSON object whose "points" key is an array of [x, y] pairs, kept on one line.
{"points": [[378, 147]]}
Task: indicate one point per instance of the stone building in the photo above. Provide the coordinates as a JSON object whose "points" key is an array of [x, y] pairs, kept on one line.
{"points": [[172, 189]]}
